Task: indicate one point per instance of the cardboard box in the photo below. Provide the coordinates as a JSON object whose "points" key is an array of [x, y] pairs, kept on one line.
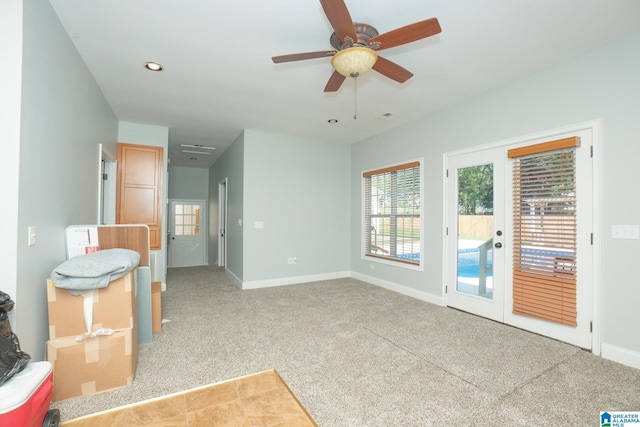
{"points": [[156, 306], [114, 307], [97, 364]]}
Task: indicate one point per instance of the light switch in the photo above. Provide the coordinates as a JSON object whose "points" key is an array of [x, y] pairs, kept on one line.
{"points": [[258, 224], [625, 232], [32, 235]]}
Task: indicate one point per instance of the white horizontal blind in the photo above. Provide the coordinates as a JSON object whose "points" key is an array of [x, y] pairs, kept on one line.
{"points": [[545, 227], [392, 213]]}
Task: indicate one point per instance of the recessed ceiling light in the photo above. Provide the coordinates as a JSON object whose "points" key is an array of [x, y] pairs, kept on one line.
{"points": [[153, 66], [332, 121]]}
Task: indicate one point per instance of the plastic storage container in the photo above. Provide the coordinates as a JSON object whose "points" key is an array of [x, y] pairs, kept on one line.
{"points": [[26, 397]]}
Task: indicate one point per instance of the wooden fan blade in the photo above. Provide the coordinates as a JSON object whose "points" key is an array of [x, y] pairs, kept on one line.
{"points": [[339, 18], [392, 70], [335, 81], [408, 34], [302, 56]]}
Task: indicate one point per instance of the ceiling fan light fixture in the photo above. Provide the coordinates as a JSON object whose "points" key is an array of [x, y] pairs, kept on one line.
{"points": [[354, 61]]}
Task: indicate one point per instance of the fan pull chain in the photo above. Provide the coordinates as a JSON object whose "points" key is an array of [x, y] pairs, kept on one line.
{"points": [[355, 96]]}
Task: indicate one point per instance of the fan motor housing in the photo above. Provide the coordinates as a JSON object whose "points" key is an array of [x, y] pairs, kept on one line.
{"points": [[364, 32]]}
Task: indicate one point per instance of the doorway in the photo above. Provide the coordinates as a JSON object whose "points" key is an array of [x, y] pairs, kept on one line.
{"points": [[187, 233], [107, 192], [519, 227], [222, 223]]}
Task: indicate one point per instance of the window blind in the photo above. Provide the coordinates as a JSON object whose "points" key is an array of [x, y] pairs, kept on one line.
{"points": [[392, 213], [545, 228]]}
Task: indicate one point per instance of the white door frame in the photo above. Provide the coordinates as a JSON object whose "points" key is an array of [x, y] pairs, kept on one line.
{"points": [[222, 223], [595, 127]]}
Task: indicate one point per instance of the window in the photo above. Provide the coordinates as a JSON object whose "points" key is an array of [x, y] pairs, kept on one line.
{"points": [[392, 210]]}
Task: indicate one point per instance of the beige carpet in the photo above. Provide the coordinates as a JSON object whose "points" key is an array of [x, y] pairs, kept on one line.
{"points": [[258, 400], [358, 355]]}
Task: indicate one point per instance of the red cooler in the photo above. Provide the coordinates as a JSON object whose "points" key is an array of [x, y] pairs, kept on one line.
{"points": [[25, 398]]}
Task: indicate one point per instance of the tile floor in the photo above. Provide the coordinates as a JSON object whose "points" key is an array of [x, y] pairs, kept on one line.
{"points": [[262, 399]]}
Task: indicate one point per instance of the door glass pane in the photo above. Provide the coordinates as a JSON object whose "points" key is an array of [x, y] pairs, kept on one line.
{"points": [[186, 220], [475, 231]]}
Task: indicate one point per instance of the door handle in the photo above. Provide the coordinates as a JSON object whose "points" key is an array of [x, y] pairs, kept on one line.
{"points": [[498, 245]]}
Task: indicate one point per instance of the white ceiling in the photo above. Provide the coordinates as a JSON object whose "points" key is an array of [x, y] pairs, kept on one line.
{"points": [[219, 78]]}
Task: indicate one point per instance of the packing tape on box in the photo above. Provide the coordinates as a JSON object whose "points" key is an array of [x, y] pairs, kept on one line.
{"points": [[90, 298], [88, 309], [99, 332]]}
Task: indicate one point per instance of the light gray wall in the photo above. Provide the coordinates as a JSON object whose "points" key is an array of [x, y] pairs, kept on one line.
{"points": [[298, 189], [64, 119], [134, 133], [10, 101], [188, 183], [602, 84], [231, 166]]}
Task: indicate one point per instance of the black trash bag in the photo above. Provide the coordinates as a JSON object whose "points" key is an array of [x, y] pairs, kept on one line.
{"points": [[12, 359], [6, 303]]}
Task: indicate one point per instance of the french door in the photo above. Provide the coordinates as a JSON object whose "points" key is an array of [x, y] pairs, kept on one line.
{"points": [[475, 233], [498, 237]]}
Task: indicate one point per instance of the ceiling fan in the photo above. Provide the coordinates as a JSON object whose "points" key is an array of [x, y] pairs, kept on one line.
{"points": [[352, 39]]}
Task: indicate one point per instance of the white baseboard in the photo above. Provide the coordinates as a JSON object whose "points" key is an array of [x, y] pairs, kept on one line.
{"points": [[621, 355], [235, 278], [293, 280], [405, 290]]}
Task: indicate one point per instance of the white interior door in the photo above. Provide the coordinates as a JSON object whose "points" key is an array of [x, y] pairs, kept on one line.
{"points": [[187, 235]]}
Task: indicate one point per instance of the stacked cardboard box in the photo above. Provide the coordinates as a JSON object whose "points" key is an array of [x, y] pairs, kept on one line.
{"points": [[85, 364]]}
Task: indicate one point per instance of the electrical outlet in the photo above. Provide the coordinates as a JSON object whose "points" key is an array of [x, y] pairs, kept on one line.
{"points": [[292, 260], [372, 266]]}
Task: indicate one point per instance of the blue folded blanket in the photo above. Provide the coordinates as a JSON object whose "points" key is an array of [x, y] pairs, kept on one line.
{"points": [[94, 270]]}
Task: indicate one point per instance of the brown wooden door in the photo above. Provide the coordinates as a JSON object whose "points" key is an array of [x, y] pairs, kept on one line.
{"points": [[139, 189]]}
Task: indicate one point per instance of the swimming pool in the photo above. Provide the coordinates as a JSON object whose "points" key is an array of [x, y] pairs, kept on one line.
{"points": [[469, 262], [469, 259]]}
